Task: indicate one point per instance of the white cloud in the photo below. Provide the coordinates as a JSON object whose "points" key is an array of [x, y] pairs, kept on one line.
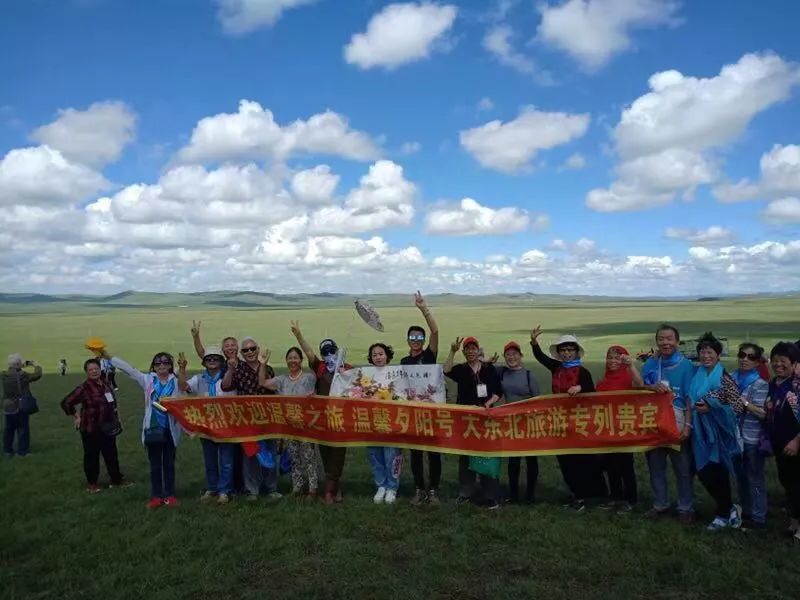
{"points": [[498, 42], [574, 162], [41, 176], [400, 34], [485, 104], [252, 133], [95, 136], [780, 174], [785, 211], [711, 236], [243, 16], [471, 218], [410, 148], [592, 31], [665, 139], [315, 185], [510, 147]]}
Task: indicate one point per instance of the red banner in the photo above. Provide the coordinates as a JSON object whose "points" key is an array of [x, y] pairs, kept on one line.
{"points": [[556, 424]]}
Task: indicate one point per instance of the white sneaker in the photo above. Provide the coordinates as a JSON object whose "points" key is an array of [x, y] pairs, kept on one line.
{"points": [[391, 496], [717, 523], [379, 495], [735, 518]]}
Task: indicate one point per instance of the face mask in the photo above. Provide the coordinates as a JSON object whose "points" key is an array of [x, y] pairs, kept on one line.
{"points": [[330, 362]]}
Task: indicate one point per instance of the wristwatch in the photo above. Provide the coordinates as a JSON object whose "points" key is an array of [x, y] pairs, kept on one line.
{"points": [[746, 403]]}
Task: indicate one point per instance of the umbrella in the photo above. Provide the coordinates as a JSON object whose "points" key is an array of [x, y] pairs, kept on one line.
{"points": [[369, 315]]}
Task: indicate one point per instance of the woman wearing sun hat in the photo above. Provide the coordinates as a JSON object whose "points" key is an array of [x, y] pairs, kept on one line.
{"points": [[582, 473]]}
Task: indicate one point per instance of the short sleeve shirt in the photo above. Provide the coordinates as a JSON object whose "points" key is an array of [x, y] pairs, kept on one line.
{"points": [[245, 380], [468, 380], [426, 357], [303, 386]]}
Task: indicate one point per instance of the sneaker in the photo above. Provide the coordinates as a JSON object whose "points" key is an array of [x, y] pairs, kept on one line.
{"points": [[433, 498], [274, 496], [338, 497], [686, 518], [513, 498], [717, 524], [391, 497], [462, 499], [208, 496], [577, 505], [154, 503], [312, 495], [379, 495], [171, 501], [122, 484], [493, 505], [607, 506], [251, 497], [419, 498], [751, 525], [735, 519], [93, 488], [624, 507], [223, 499], [655, 513]]}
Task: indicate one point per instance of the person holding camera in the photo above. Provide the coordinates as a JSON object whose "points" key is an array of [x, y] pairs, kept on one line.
{"points": [[18, 404]]}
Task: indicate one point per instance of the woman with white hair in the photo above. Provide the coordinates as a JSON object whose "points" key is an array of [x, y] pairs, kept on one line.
{"points": [[16, 386]]}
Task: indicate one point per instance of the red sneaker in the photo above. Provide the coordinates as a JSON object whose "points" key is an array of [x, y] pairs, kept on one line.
{"points": [[93, 488], [170, 501], [154, 503]]}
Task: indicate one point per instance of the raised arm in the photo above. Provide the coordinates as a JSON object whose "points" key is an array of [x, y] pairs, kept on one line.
{"points": [[308, 350], [198, 345], [183, 385], [227, 379], [448, 363], [636, 377], [433, 328], [548, 362], [270, 383], [37, 372], [129, 370]]}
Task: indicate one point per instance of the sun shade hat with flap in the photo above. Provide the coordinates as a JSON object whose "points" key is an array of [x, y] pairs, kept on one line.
{"points": [[565, 339], [213, 351]]}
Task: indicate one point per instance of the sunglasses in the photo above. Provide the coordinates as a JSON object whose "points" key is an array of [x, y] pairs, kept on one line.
{"points": [[212, 359], [416, 337], [250, 349], [747, 355], [162, 362], [567, 349], [328, 352]]}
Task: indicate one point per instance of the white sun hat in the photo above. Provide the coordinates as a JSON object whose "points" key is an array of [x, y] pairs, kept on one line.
{"points": [[565, 339]]}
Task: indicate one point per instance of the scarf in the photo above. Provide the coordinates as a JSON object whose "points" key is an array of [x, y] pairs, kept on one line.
{"points": [[704, 382], [744, 379], [211, 382], [618, 379], [161, 390], [569, 364], [653, 368]]}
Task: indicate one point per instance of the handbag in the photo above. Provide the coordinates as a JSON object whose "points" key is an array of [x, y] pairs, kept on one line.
{"points": [[155, 433], [485, 465], [27, 401]]}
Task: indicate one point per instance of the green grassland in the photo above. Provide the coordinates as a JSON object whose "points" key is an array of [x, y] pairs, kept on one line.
{"points": [[58, 542]]}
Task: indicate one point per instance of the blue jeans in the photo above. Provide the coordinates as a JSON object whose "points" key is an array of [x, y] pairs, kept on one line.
{"points": [[682, 465], [218, 460], [386, 464], [162, 467], [19, 424], [751, 482]]}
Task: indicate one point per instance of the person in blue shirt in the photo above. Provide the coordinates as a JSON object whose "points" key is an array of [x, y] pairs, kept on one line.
{"points": [[670, 370]]}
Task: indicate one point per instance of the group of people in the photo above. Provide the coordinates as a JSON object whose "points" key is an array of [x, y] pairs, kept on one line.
{"points": [[729, 422]]}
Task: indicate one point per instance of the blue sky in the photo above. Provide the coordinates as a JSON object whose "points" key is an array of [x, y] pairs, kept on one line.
{"points": [[111, 175]]}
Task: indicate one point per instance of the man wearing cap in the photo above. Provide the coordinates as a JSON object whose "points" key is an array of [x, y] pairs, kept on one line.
{"points": [[419, 355], [332, 456], [478, 385], [582, 473]]}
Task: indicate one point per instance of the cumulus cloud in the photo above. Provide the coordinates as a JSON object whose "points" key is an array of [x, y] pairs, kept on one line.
{"points": [[666, 138], [400, 34], [315, 186], [471, 218], [593, 31], [780, 174], [574, 162], [95, 136], [785, 211], [711, 236], [42, 176], [510, 147], [243, 16], [498, 42], [252, 133]]}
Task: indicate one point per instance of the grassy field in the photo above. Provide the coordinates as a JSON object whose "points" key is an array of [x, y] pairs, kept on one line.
{"points": [[58, 542]]}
